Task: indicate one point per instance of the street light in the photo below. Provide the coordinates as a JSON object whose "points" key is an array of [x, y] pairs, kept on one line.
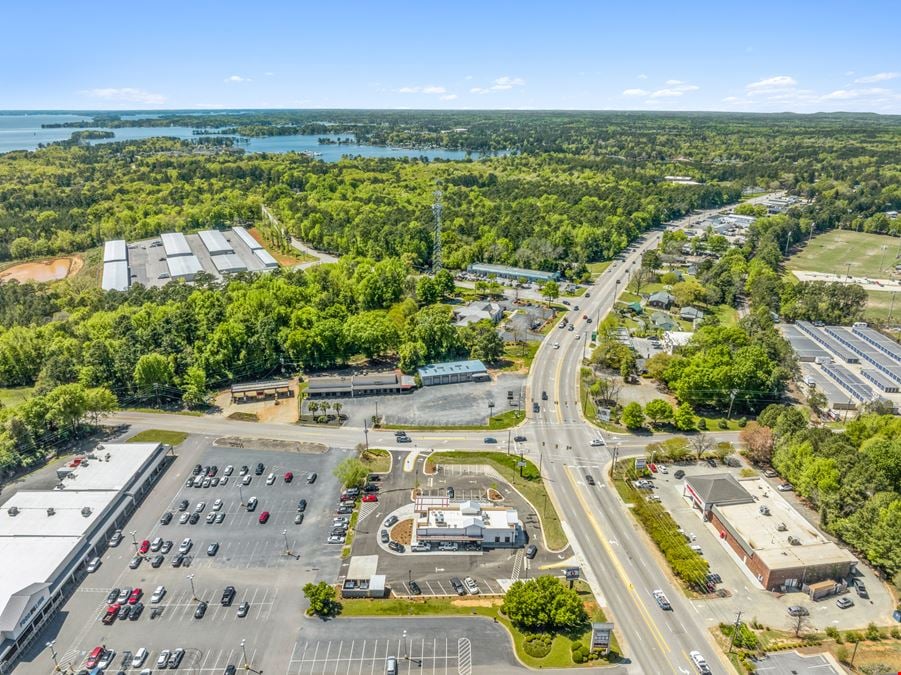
{"points": [[134, 539], [190, 578], [490, 409], [285, 534], [241, 493], [244, 652], [53, 654], [406, 658]]}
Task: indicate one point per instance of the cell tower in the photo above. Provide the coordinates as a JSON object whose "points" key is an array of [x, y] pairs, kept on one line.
{"points": [[436, 248]]}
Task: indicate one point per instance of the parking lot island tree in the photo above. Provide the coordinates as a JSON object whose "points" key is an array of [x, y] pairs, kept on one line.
{"points": [[351, 472], [543, 604], [322, 598]]}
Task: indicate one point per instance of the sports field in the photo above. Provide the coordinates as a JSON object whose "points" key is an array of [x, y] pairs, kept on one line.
{"points": [[832, 251]]}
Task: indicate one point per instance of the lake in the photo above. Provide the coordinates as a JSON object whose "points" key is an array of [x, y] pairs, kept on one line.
{"points": [[24, 132]]}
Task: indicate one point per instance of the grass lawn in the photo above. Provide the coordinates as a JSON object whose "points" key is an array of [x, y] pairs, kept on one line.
{"points": [[13, 396], [503, 420], [599, 267], [160, 411], [530, 486], [519, 356], [833, 250], [879, 303], [351, 530], [560, 655], [713, 423], [173, 438], [376, 460], [727, 315]]}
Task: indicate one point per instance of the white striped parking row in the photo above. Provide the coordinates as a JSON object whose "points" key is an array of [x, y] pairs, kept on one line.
{"points": [[359, 657], [194, 661], [180, 606], [438, 587]]}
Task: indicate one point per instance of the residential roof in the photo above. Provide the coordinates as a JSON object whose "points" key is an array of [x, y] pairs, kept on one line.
{"points": [[115, 249], [215, 242], [228, 262], [664, 297], [691, 313], [265, 257], [175, 244], [247, 238], [720, 488], [453, 367], [115, 276], [183, 266]]}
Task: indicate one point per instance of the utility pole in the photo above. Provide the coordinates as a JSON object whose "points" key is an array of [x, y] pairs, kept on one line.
{"points": [[891, 307], [366, 434], [509, 432], [734, 631], [788, 242]]}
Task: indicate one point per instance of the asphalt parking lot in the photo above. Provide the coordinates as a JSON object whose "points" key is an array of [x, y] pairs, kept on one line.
{"points": [[493, 569], [793, 663], [251, 558], [441, 405]]}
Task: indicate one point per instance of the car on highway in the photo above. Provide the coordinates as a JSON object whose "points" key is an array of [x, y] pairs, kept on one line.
{"points": [[201, 610], [700, 662], [596, 442], [535, 407], [264, 517], [556, 345], [519, 439], [404, 439], [589, 479], [489, 439], [661, 599], [544, 396]]}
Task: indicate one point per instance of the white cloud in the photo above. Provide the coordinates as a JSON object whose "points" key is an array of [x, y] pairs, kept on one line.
{"points": [[635, 92], [125, 94], [770, 83], [672, 82], [422, 89], [504, 83], [449, 97], [236, 79], [642, 76], [675, 88], [878, 77], [731, 99], [845, 94], [268, 73]]}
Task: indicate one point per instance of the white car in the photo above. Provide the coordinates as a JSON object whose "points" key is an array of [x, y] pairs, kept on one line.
{"points": [[185, 546], [156, 544], [163, 659], [217, 505], [699, 662], [223, 480], [138, 659], [246, 480], [596, 442], [200, 507], [183, 518], [471, 586], [228, 470], [94, 564], [270, 479], [335, 539], [158, 594], [106, 659], [662, 468], [556, 345], [661, 599]]}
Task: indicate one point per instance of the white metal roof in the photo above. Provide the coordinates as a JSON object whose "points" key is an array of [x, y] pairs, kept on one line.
{"points": [[25, 561], [229, 262], [175, 243], [215, 242], [183, 266], [246, 237], [32, 520], [266, 258], [115, 276], [115, 249]]}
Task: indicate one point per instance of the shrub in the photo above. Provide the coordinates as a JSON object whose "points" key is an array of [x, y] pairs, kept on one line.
{"points": [[896, 633], [538, 645], [853, 636], [722, 423], [702, 424], [873, 632], [742, 422], [832, 632], [842, 654], [579, 652], [744, 639]]}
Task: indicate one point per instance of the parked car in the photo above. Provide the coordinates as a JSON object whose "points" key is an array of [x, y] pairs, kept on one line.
{"points": [[311, 477], [158, 594], [95, 656], [415, 589], [243, 609], [770, 473], [163, 659], [139, 657], [264, 517], [157, 560], [195, 517], [185, 545], [369, 498], [458, 586], [252, 503], [471, 585], [220, 517], [228, 470], [786, 487], [116, 539], [384, 536], [421, 548], [175, 659], [844, 602], [861, 589], [395, 546], [178, 559], [335, 539], [450, 493], [210, 517], [212, 549], [135, 595], [390, 521], [136, 610], [228, 595], [144, 547], [797, 610], [260, 468], [123, 596], [246, 480], [531, 551], [201, 610], [112, 595], [302, 505], [270, 479], [217, 505], [166, 518], [135, 562], [298, 519], [93, 565]]}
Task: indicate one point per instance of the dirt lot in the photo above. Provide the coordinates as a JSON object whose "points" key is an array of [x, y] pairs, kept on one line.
{"points": [[265, 410], [42, 271]]}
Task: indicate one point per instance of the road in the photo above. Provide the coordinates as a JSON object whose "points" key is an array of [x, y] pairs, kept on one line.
{"points": [[617, 560]]}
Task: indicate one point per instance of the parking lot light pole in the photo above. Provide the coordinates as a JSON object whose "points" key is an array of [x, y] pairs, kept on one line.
{"points": [[53, 654], [190, 578], [241, 494], [244, 653], [285, 534], [490, 411], [134, 539], [406, 657]]}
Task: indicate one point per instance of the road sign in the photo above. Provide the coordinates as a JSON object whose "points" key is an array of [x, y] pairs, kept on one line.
{"points": [[600, 636], [640, 463], [572, 573], [603, 414], [520, 463]]}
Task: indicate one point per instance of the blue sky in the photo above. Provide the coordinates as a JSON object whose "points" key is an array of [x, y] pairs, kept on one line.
{"points": [[683, 55]]}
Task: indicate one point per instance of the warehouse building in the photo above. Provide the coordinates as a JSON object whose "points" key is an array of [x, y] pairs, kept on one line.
{"points": [[452, 372], [115, 250], [492, 526], [781, 549], [184, 267], [247, 238], [48, 536], [228, 263], [175, 244], [514, 273], [215, 242], [115, 276], [353, 386], [266, 258]]}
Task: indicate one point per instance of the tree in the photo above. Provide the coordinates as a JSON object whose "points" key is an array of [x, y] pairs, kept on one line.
{"points": [[152, 373], [817, 401], [351, 472], [550, 290], [543, 604], [66, 405], [689, 292], [632, 416], [684, 417], [759, 443], [193, 386], [658, 411], [426, 291], [98, 401], [444, 282], [701, 444], [411, 355], [483, 341], [322, 598]]}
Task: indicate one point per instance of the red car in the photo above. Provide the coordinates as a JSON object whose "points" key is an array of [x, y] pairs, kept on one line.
{"points": [[135, 596], [264, 517], [653, 468], [111, 612], [369, 498], [289, 476], [94, 657], [145, 546]]}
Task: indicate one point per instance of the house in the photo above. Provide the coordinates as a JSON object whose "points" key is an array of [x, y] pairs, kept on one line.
{"points": [[635, 307], [663, 321], [661, 299], [477, 311], [691, 314], [673, 339]]}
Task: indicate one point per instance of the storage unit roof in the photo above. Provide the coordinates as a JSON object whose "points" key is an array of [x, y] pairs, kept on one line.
{"points": [[229, 262], [247, 238], [115, 249], [266, 258], [115, 276], [183, 266], [175, 244], [215, 242]]}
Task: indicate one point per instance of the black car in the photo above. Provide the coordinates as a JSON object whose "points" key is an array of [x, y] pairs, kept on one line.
{"points": [[111, 597], [201, 610], [458, 586], [338, 531], [194, 518], [589, 479], [260, 469], [450, 493], [183, 505], [415, 589], [228, 595], [370, 487], [212, 471], [311, 478], [166, 518], [404, 439], [531, 551], [679, 474], [544, 396], [535, 407], [136, 610], [519, 439], [197, 469], [302, 505], [157, 560], [711, 462], [373, 477], [229, 670], [384, 536], [395, 546], [178, 560], [124, 612]]}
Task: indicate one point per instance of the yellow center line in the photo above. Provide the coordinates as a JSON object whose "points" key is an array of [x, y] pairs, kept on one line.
{"points": [[616, 563]]}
